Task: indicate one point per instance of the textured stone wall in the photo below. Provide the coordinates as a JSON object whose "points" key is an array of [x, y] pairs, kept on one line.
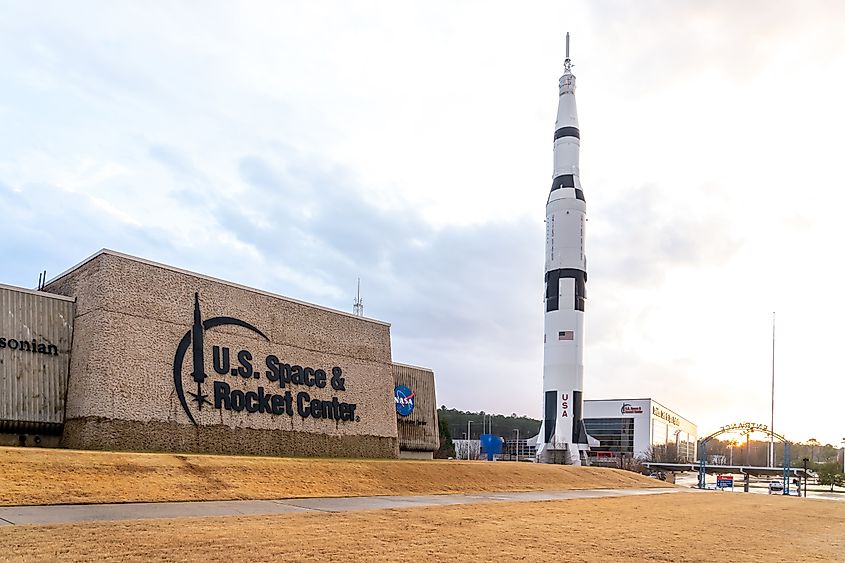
{"points": [[132, 316]]}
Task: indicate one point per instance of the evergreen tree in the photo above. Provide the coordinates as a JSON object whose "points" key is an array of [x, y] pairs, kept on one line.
{"points": [[447, 447]]}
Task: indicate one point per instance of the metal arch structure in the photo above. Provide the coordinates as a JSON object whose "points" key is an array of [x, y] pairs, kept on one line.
{"points": [[743, 429]]}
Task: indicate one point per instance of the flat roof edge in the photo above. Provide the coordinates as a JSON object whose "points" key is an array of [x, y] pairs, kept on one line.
{"points": [[209, 278], [629, 399], [38, 293], [412, 366], [646, 399]]}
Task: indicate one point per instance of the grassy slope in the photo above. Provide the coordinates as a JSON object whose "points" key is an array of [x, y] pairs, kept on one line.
{"points": [[679, 527], [55, 476]]}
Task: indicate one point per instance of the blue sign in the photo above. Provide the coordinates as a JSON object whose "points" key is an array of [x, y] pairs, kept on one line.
{"points": [[725, 481], [404, 399]]}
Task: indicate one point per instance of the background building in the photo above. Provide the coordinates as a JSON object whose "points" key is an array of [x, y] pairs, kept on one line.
{"points": [[36, 331], [641, 428]]}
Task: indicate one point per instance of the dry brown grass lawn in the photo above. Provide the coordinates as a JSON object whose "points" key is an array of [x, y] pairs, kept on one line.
{"points": [[55, 476], [677, 527]]}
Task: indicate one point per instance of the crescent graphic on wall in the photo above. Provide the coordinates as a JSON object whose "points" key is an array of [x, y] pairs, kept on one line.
{"points": [[196, 335]]}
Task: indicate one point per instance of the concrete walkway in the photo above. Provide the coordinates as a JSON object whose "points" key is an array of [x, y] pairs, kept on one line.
{"points": [[63, 513]]}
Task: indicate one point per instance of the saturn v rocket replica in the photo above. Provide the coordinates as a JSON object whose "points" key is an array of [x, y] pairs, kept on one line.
{"points": [[563, 438]]}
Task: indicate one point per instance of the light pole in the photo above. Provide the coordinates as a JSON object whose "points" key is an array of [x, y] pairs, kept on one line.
{"points": [[805, 460], [843, 455], [772, 427], [748, 448], [677, 444], [469, 431]]}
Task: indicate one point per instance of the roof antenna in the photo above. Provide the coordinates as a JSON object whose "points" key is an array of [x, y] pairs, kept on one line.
{"points": [[358, 305]]}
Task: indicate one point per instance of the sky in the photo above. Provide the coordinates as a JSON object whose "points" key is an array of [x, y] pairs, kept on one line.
{"points": [[296, 146]]}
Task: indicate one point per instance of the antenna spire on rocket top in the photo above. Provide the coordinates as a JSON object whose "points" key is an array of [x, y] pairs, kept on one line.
{"points": [[567, 63], [567, 81]]}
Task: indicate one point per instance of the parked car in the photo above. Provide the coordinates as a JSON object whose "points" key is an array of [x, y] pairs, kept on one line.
{"points": [[775, 487]]}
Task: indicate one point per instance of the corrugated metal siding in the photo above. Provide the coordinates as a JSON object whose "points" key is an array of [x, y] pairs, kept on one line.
{"points": [[418, 431], [33, 385]]}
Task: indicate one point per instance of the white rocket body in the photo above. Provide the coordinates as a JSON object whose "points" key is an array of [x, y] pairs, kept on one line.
{"points": [[563, 438]]}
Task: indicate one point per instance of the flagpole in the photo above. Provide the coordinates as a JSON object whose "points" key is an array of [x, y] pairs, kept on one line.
{"points": [[772, 427]]}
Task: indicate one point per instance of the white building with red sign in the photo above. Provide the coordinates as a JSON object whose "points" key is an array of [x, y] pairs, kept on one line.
{"points": [[640, 428]]}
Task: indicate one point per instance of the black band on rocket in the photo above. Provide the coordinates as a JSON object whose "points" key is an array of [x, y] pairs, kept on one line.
{"points": [[568, 181], [577, 423], [567, 132], [553, 288], [579, 433], [550, 415], [565, 181]]}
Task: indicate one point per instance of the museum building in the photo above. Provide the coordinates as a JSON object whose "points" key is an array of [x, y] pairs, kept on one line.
{"points": [[121, 353], [638, 428]]}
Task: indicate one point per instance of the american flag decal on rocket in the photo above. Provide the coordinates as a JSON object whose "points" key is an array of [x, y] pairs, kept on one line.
{"points": [[566, 335]]}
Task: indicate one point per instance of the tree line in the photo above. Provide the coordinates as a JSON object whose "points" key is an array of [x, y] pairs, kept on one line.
{"points": [[453, 425], [505, 426], [755, 452]]}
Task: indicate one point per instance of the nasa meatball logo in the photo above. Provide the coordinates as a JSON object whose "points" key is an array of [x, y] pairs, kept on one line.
{"points": [[404, 399], [225, 393]]}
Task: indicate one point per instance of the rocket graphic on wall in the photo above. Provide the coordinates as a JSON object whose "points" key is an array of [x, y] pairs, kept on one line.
{"points": [[563, 438], [198, 374]]}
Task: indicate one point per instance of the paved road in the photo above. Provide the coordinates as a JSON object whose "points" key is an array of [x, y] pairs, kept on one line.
{"points": [[761, 488], [63, 513]]}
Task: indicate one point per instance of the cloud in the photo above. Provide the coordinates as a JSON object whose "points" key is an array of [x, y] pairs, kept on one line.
{"points": [[53, 228], [664, 42], [645, 232], [436, 280]]}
